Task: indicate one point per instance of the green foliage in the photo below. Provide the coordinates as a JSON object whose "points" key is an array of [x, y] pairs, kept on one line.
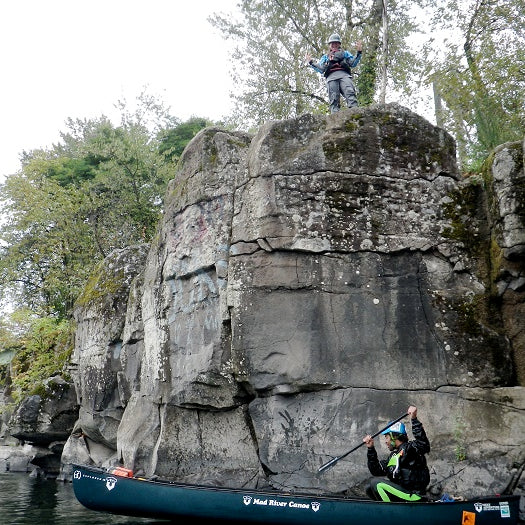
{"points": [[99, 285], [174, 140], [44, 345], [366, 81], [46, 246], [462, 210], [481, 78], [10, 344], [68, 171], [100, 189]]}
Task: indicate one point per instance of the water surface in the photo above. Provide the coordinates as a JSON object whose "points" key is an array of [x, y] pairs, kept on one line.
{"points": [[30, 501]]}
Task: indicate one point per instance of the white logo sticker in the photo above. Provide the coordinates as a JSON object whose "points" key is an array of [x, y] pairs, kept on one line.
{"points": [[110, 483]]}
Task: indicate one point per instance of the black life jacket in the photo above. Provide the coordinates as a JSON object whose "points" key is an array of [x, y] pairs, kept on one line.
{"points": [[339, 64], [408, 468]]}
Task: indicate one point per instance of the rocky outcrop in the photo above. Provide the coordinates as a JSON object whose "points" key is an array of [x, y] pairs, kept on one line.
{"points": [[42, 424], [505, 176], [98, 362], [306, 285]]}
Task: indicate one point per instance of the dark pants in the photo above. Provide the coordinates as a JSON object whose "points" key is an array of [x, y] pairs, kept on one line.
{"points": [[343, 86], [382, 489]]}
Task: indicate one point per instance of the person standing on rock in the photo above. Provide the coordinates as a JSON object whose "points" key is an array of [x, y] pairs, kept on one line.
{"points": [[406, 466], [336, 66]]}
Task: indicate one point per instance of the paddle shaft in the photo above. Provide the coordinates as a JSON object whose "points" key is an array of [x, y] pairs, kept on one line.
{"points": [[335, 460]]}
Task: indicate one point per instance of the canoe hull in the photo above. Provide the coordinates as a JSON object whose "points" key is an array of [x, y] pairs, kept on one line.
{"points": [[102, 491]]}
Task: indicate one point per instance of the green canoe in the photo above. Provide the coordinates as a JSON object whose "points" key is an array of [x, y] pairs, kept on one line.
{"points": [[104, 491]]}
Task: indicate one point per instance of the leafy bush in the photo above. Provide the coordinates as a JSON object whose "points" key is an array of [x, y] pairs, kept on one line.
{"points": [[45, 345]]}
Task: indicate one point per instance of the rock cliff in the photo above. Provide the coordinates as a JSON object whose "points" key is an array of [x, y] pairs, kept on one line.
{"points": [[305, 286]]}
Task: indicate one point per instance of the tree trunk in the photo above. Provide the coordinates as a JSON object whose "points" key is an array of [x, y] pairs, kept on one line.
{"points": [[384, 51], [367, 81], [487, 111], [438, 106]]}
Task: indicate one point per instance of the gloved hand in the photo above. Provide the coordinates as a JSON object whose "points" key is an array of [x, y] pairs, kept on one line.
{"points": [[338, 56]]}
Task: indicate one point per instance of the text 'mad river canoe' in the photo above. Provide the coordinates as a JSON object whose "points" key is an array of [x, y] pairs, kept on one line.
{"points": [[113, 492]]}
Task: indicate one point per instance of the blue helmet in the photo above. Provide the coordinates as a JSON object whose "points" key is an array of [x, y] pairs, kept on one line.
{"points": [[396, 428]]}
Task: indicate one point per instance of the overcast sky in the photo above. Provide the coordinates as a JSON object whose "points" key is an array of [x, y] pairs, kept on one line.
{"points": [[77, 58]]}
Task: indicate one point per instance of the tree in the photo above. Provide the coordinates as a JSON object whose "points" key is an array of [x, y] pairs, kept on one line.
{"points": [[125, 188], [124, 198], [273, 36], [482, 80], [100, 189], [46, 250], [174, 140]]}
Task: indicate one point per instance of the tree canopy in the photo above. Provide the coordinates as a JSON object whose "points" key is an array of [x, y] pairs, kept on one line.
{"points": [[100, 189], [481, 75]]}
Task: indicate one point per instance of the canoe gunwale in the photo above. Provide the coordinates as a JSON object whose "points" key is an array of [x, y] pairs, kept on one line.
{"points": [[276, 493]]}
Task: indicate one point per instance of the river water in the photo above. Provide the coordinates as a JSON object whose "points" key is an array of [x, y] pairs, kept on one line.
{"points": [[30, 501]]}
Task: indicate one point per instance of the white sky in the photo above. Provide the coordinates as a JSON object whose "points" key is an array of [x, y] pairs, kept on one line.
{"points": [[77, 58]]}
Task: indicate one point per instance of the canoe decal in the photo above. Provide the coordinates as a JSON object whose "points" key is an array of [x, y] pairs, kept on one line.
{"points": [[110, 483], [503, 508], [269, 502]]}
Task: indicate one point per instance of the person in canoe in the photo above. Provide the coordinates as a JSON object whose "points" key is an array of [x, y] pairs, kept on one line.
{"points": [[406, 466]]}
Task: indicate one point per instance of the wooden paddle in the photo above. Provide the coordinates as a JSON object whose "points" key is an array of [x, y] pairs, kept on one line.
{"points": [[336, 459]]}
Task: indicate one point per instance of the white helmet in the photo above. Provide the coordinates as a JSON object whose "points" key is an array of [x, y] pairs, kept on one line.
{"points": [[334, 38]]}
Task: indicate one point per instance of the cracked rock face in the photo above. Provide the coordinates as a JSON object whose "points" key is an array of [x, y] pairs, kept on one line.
{"points": [[306, 285]]}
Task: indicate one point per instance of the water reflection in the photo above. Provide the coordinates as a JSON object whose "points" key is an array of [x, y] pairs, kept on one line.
{"points": [[29, 501]]}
